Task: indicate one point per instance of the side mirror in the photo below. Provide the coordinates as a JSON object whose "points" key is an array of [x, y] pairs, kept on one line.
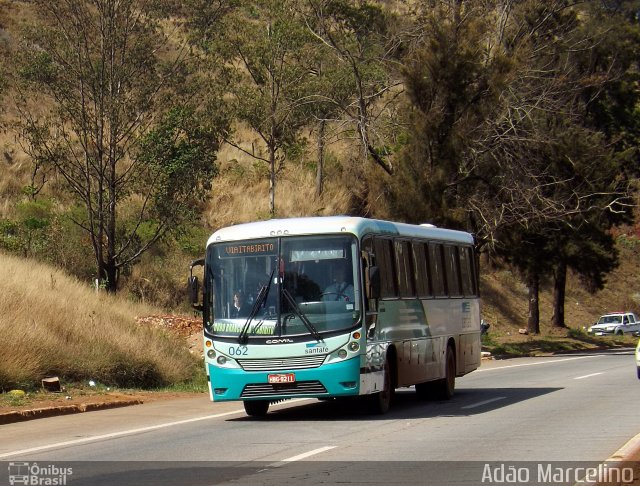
{"points": [[373, 283], [194, 290], [193, 286]]}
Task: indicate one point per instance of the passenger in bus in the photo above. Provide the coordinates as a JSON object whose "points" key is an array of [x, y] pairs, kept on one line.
{"points": [[341, 288], [240, 308]]}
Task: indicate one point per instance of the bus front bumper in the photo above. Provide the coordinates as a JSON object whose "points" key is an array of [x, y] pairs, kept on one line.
{"points": [[330, 380]]}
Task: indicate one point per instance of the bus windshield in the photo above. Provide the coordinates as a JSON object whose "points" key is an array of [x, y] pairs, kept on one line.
{"points": [[289, 286]]}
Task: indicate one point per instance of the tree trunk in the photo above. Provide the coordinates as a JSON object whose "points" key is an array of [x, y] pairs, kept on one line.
{"points": [[272, 181], [272, 147], [559, 288], [111, 271], [533, 322], [319, 171]]}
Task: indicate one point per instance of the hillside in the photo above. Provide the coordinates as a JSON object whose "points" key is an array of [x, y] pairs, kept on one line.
{"points": [[53, 325], [40, 226]]}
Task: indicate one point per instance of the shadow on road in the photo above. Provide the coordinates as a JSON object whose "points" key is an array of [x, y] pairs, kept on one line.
{"points": [[407, 405]]}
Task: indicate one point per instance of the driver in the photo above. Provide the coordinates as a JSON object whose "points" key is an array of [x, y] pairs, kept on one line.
{"points": [[340, 289]]}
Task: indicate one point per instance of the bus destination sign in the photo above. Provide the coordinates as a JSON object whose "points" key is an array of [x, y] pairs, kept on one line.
{"points": [[252, 249]]}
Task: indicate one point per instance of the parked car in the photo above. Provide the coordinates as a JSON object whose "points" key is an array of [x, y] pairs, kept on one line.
{"points": [[638, 359], [617, 323]]}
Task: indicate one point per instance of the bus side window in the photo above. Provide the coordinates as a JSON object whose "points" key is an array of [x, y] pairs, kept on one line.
{"points": [[421, 272], [384, 259], [404, 267], [453, 274], [436, 269], [466, 271]]}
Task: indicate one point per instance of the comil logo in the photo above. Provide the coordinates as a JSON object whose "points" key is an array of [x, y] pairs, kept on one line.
{"points": [[34, 474]]}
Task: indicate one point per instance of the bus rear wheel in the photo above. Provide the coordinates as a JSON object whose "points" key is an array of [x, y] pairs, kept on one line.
{"points": [[424, 390], [256, 408], [446, 386]]}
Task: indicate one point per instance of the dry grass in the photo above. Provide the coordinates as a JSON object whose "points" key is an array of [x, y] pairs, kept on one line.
{"points": [[241, 192], [51, 324]]}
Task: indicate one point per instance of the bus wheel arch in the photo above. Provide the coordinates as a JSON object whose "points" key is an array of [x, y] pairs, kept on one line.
{"points": [[380, 402]]}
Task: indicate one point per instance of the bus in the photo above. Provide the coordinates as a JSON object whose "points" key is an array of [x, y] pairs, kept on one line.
{"points": [[278, 324]]}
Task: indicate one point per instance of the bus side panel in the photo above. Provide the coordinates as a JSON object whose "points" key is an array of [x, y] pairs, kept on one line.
{"points": [[404, 323], [458, 319], [471, 353], [470, 341]]}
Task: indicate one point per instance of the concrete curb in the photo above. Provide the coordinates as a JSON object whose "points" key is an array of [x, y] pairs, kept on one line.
{"points": [[628, 452], [627, 457], [22, 415]]}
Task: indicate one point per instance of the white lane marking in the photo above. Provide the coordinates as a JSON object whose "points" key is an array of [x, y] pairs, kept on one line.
{"points": [[116, 434], [299, 457], [587, 376], [537, 363], [480, 404], [129, 432]]}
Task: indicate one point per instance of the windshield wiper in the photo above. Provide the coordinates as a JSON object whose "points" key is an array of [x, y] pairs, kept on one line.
{"points": [[291, 301], [243, 337]]}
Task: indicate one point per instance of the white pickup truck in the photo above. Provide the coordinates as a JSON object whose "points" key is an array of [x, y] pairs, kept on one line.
{"points": [[617, 323]]}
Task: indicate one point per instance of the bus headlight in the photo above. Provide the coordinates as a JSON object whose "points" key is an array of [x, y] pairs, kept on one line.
{"points": [[342, 354], [354, 346], [211, 354], [221, 360]]}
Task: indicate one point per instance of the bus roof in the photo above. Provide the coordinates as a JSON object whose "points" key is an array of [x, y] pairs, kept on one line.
{"points": [[332, 225]]}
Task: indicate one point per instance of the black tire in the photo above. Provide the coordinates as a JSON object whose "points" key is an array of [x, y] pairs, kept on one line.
{"points": [[445, 387], [638, 371], [424, 390], [256, 408], [381, 402], [619, 332]]}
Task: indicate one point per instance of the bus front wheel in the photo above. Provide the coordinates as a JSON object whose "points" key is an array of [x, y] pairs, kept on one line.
{"points": [[381, 402], [256, 408]]}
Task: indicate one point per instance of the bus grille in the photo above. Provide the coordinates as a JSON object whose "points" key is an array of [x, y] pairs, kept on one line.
{"points": [[271, 389], [278, 364]]}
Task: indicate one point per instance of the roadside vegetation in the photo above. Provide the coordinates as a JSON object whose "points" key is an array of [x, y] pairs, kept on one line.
{"points": [[519, 123], [53, 325]]}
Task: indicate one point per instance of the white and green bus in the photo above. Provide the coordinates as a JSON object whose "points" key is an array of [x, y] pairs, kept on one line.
{"points": [[330, 307]]}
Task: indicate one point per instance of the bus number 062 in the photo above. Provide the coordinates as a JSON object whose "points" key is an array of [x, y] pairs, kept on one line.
{"points": [[238, 351]]}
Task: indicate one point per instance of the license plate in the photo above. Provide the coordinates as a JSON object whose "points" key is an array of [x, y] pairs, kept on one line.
{"points": [[282, 378]]}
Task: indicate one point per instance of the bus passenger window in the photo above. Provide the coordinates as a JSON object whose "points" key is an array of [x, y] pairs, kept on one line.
{"points": [[420, 269], [436, 269], [466, 271], [453, 279], [404, 267], [384, 260]]}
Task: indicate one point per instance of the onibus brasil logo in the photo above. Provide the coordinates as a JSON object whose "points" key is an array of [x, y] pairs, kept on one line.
{"points": [[33, 474]]}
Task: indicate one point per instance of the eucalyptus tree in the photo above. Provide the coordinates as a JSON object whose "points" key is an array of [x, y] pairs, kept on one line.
{"points": [[499, 143], [271, 60], [103, 101], [330, 89], [359, 37]]}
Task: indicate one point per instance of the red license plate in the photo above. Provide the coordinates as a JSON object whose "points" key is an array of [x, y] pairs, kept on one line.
{"points": [[282, 378]]}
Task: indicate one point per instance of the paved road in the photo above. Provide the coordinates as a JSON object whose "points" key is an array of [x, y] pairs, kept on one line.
{"points": [[576, 409]]}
